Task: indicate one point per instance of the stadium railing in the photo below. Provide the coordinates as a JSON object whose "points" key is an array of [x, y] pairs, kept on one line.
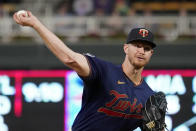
{"points": [[167, 27]]}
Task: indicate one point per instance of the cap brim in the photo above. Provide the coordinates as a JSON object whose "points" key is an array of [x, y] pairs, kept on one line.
{"points": [[146, 41]]}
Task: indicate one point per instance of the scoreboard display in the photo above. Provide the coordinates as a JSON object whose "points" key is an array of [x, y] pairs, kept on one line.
{"points": [[32, 100], [39, 100]]}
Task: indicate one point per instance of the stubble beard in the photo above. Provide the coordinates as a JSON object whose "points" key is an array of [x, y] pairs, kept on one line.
{"points": [[137, 64]]}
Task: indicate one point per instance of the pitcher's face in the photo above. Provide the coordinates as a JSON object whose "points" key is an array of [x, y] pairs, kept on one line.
{"points": [[138, 53]]}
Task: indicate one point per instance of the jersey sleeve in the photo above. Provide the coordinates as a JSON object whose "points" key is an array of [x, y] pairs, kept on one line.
{"points": [[93, 82], [96, 69]]}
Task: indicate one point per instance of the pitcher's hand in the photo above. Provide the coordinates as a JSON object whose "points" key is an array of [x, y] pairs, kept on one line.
{"points": [[24, 20]]}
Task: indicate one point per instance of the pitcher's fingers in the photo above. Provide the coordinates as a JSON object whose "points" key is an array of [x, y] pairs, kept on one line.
{"points": [[15, 17], [29, 13]]}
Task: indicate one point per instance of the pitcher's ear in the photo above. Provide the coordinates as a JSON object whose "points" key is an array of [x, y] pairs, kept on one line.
{"points": [[152, 51], [125, 47]]}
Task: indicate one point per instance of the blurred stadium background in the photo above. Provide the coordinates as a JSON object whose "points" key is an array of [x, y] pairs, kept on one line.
{"points": [[98, 27]]}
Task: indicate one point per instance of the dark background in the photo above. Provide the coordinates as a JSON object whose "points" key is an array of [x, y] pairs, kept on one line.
{"points": [[34, 56], [37, 116]]}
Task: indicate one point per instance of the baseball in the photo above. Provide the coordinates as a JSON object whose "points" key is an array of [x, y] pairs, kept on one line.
{"points": [[22, 12]]}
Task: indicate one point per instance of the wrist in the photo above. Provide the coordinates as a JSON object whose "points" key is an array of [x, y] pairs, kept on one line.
{"points": [[36, 24]]}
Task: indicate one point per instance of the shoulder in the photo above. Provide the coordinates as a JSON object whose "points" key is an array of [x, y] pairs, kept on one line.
{"points": [[93, 60], [99, 68]]}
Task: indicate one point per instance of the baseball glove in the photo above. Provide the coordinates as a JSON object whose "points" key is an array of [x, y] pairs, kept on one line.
{"points": [[154, 113]]}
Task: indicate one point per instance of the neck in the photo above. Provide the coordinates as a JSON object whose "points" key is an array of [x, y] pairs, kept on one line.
{"points": [[133, 73]]}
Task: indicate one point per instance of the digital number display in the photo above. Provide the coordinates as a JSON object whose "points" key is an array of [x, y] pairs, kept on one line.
{"points": [[32, 100]]}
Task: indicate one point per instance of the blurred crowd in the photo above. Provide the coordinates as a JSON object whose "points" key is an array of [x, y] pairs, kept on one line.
{"points": [[105, 7], [124, 7], [93, 7]]}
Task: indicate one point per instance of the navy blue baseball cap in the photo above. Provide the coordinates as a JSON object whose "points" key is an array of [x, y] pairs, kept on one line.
{"points": [[141, 34]]}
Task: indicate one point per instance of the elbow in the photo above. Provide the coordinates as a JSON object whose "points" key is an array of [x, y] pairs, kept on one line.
{"points": [[69, 61], [71, 64]]}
